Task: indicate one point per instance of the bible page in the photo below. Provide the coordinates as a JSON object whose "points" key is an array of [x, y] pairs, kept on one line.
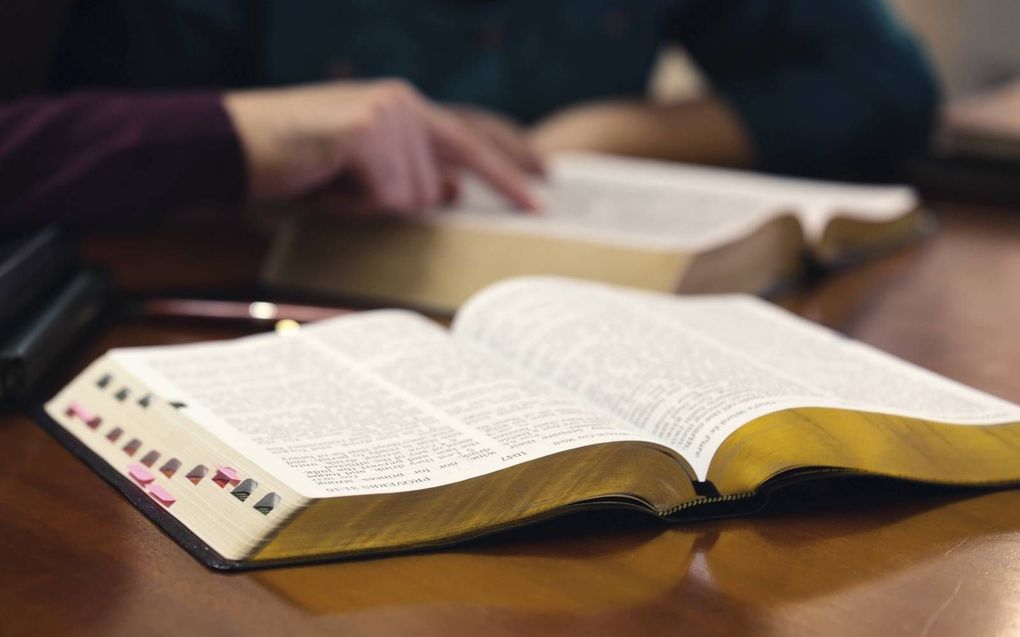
{"points": [[620, 202], [691, 370], [375, 402], [657, 204]]}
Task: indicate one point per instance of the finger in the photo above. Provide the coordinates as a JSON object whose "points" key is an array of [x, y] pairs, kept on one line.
{"points": [[380, 170], [510, 139], [393, 166], [462, 147], [449, 185], [520, 149], [369, 189], [422, 163]]}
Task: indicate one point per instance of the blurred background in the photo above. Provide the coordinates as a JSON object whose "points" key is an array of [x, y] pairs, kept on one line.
{"points": [[974, 43]]}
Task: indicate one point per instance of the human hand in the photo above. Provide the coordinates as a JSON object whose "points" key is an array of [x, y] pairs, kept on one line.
{"points": [[505, 134], [365, 147]]}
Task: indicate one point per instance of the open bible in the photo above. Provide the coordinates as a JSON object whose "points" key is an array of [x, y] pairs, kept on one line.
{"points": [[656, 225], [382, 431]]}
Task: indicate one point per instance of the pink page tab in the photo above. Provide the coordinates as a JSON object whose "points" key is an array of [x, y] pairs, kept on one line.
{"points": [[76, 410], [161, 495], [225, 476], [140, 474]]}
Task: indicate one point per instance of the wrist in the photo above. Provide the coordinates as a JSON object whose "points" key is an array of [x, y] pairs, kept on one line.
{"points": [[285, 140]]}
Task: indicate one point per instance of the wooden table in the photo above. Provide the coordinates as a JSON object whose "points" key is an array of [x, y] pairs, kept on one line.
{"points": [[829, 559]]}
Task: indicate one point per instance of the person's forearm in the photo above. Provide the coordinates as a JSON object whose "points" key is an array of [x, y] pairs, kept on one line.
{"points": [[701, 131], [98, 158]]}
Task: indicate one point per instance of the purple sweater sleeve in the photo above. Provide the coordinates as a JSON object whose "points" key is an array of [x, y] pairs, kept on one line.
{"points": [[101, 158]]}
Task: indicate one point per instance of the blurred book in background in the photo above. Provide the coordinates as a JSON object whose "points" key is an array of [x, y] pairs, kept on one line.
{"points": [[656, 225]]}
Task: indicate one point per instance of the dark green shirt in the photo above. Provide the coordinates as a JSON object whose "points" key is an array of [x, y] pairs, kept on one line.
{"points": [[823, 86]]}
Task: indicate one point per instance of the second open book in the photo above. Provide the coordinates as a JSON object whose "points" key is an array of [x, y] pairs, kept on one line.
{"points": [[383, 431], [656, 225]]}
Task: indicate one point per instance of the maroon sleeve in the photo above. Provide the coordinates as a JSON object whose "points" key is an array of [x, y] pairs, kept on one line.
{"points": [[104, 158]]}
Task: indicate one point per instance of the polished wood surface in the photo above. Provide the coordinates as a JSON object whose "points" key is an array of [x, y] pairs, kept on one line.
{"points": [[855, 557]]}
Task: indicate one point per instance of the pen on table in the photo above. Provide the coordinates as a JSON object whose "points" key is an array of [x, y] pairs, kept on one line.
{"points": [[263, 314]]}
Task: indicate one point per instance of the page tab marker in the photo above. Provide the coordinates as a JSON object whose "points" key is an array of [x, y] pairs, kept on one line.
{"points": [[267, 503], [225, 476], [196, 474], [171, 467], [150, 458], [76, 410], [245, 489], [161, 495], [140, 474]]}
